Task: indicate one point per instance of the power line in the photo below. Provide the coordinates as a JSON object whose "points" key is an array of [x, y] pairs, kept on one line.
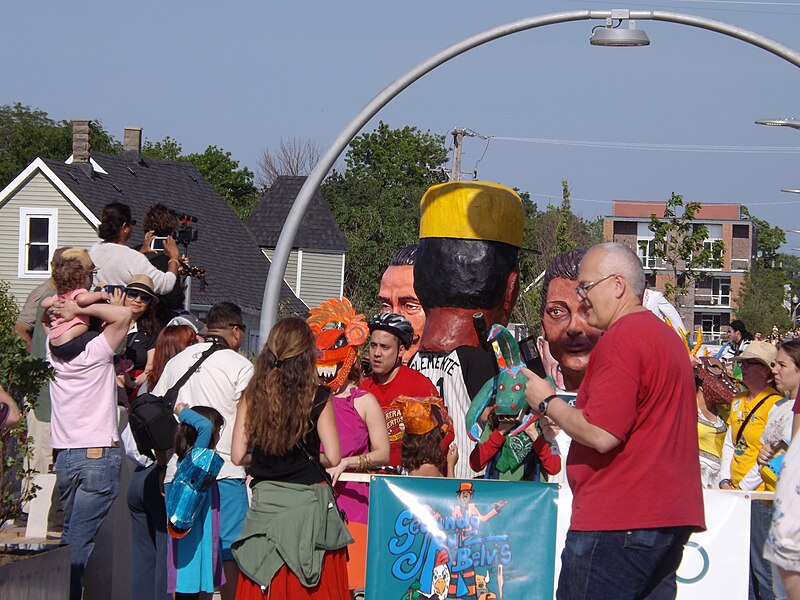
{"points": [[707, 148]]}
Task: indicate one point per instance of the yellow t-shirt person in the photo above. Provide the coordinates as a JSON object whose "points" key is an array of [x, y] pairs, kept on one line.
{"points": [[745, 451]]}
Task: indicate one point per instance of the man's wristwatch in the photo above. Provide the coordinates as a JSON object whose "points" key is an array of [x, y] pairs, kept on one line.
{"points": [[725, 482], [545, 403]]}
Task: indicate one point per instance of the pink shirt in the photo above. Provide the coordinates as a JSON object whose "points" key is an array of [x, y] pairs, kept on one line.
{"points": [[60, 326], [84, 398]]}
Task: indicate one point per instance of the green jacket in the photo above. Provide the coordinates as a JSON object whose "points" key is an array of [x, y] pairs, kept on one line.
{"points": [[289, 524]]}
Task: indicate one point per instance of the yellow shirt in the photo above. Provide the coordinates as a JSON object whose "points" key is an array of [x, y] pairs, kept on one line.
{"points": [[746, 450]]}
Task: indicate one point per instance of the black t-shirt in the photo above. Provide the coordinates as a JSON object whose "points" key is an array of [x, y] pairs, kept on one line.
{"points": [[136, 347], [172, 301], [294, 466]]}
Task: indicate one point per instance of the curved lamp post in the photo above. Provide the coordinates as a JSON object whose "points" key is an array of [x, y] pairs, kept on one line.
{"points": [[269, 307]]}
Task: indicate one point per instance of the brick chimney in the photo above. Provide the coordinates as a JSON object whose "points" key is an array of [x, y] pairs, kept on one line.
{"points": [[80, 141], [132, 143]]}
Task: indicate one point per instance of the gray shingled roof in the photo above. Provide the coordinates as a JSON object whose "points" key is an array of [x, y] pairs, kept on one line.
{"points": [[236, 267], [318, 230]]}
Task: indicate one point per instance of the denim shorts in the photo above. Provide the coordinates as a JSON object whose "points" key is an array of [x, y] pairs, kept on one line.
{"points": [[232, 511]]}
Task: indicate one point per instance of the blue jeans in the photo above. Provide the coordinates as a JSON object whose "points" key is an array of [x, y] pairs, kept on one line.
{"points": [[87, 488], [638, 563], [761, 584], [148, 536]]}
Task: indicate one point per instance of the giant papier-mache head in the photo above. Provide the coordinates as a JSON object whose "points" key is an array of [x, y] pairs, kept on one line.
{"points": [[339, 332]]}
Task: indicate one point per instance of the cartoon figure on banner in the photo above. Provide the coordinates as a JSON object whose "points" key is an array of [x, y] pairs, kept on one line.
{"points": [[467, 263], [339, 332], [440, 580], [509, 445]]}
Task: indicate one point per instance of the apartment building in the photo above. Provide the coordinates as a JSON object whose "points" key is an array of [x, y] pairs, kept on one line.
{"points": [[711, 301]]}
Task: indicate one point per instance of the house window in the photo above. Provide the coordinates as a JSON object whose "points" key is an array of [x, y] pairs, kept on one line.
{"points": [[646, 253], [721, 291], [37, 240], [712, 327], [741, 231], [714, 237], [645, 246]]}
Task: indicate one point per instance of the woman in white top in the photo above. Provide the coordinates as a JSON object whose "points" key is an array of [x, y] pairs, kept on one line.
{"points": [[117, 263]]}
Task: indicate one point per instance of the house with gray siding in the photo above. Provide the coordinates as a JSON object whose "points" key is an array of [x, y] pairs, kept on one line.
{"points": [[315, 270], [53, 204]]}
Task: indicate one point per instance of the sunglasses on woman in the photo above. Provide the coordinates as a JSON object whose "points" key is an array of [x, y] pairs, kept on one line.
{"points": [[142, 297]]}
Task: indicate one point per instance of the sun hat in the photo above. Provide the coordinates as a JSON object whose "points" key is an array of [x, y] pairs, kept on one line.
{"points": [[763, 352], [142, 283]]}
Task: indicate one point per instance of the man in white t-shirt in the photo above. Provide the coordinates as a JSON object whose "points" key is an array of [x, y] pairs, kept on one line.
{"points": [[218, 383]]}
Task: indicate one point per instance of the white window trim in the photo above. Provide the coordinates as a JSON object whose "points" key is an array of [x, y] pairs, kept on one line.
{"points": [[25, 213]]}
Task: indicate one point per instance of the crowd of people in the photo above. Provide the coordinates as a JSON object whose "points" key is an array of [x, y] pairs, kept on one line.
{"points": [[418, 390]]}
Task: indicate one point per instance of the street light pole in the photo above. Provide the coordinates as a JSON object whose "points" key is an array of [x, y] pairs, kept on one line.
{"points": [[272, 289]]}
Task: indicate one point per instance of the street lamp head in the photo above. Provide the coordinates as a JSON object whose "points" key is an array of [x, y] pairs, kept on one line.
{"points": [[790, 191], [617, 37], [785, 122]]}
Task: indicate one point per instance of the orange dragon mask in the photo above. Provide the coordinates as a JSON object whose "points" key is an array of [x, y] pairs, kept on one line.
{"points": [[340, 332]]}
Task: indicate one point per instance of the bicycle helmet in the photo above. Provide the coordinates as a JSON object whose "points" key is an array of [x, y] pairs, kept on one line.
{"points": [[396, 325]]}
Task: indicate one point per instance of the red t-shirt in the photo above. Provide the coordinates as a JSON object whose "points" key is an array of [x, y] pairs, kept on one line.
{"points": [[639, 387], [407, 382]]}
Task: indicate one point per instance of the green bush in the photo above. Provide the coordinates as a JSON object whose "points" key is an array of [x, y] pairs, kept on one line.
{"points": [[21, 375]]}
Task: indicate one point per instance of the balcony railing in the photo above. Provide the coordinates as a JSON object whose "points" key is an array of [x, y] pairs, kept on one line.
{"points": [[721, 300]]}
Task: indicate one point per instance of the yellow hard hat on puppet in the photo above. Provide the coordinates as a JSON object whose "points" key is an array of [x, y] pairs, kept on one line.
{"points": [[472, 210]]}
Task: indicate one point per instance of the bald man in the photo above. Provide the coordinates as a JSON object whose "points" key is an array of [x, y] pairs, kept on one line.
{"points": [[632, 465]]}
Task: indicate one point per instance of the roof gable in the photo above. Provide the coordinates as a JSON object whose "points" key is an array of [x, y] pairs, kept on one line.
{"points": [[236, 267], [318, 229]]}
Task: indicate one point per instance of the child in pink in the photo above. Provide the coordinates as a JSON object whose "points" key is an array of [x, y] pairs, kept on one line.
{"points": [[72, 274]]}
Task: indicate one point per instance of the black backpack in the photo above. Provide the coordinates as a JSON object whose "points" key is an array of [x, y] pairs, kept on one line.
{"points": [[151, 419]]}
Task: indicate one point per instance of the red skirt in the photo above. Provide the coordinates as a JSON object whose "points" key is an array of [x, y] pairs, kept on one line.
{"points": [[332, 583]]}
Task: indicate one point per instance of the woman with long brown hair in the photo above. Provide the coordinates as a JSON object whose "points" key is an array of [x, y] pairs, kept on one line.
{"points": [[280, 421]]}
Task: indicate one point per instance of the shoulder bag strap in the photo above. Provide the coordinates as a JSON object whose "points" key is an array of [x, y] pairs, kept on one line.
{"points": [[740, 433], [172, 393]]}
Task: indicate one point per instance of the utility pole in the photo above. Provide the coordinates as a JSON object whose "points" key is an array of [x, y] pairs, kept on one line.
{"points": [[458, 140]]}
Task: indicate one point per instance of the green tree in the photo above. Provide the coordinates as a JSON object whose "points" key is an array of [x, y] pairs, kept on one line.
{"points": [[769, 240], [681, 243], [21, 376], [563, 241], [218, 167], [550, 231], [234, 184], [166, 149], [26, 133], [375, 201], [760, 300]]}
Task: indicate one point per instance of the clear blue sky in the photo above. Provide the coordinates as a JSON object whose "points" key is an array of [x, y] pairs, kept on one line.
{"points": [[242, 75]]}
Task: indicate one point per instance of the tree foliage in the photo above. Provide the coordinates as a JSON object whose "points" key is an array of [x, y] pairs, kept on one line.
{"points": [[218, 167], [27, 133], [375, 201], [235, 185], [293, 157], [550, 231], [21, 376], [680, 243], [760, 300], [769, 240], [166, 149]]}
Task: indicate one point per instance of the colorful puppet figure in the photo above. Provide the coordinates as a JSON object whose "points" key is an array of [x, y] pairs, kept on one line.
{"points": [[505, 446], [340, 332]]}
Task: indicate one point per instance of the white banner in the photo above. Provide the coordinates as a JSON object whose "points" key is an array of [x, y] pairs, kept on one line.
{"points": [[715, 562]]}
